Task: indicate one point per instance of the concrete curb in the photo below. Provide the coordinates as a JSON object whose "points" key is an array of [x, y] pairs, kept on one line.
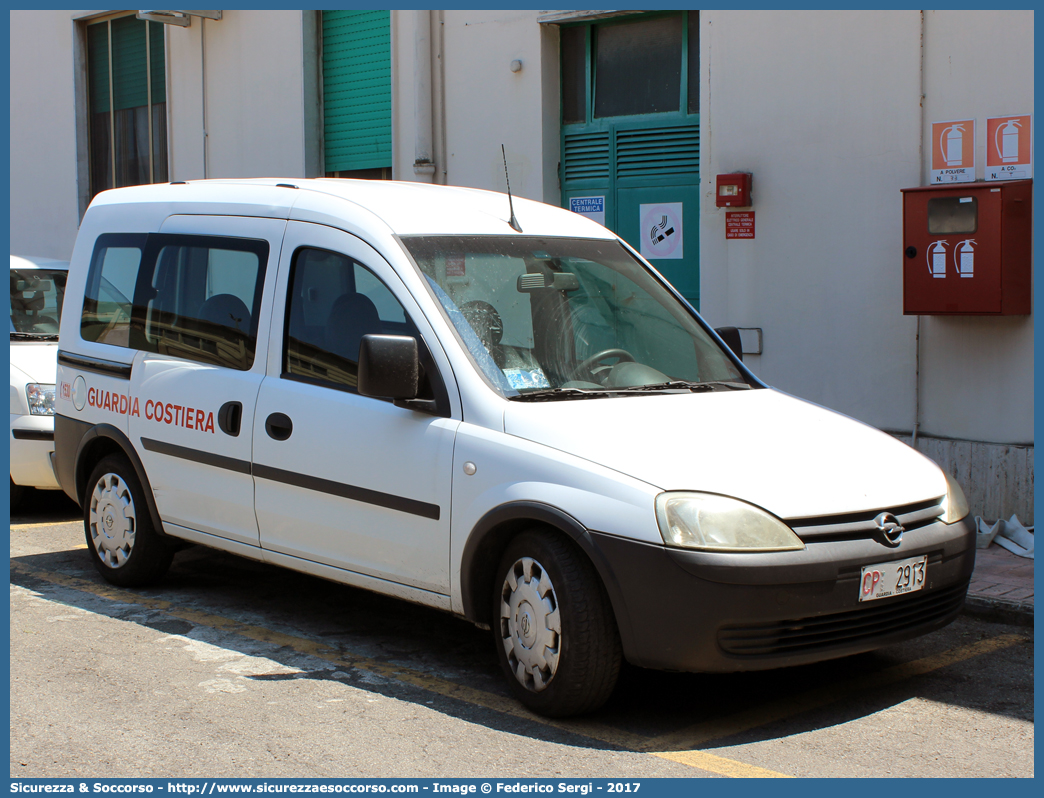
{"points": [[1017, 613]]}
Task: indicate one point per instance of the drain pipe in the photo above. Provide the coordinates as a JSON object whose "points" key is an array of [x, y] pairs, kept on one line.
{"points": [[917, 334], [438, 95], [203, 71], [423, 164]]}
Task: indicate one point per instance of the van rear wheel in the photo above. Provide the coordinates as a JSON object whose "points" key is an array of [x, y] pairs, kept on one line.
{"points": [[554, 630], [123, 543]]}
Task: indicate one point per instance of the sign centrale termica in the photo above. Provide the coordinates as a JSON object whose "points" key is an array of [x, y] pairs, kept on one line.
{"points": [[591, 207], [661, 232], [953, 152]]}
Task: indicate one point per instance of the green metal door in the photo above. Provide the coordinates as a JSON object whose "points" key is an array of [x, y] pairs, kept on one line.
{"points": [[640, 169]]}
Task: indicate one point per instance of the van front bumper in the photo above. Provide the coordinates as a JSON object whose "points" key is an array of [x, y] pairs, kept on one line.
{"points": [[713, 612]]}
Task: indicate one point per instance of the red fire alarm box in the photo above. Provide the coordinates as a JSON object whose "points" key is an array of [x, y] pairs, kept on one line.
{"points": [[733, 190], [967, 249]]}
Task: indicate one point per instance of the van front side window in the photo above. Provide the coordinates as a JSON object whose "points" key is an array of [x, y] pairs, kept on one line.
{"points": [[333, 302]]}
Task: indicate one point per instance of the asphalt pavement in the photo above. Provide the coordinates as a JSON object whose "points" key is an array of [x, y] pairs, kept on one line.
{"points": [[234, 668]]}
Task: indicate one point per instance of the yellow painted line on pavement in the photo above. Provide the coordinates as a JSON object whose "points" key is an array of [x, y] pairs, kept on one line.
{"points": [[676, 746], [36, 524], [720, 765], [595, 731], [301, 645], [702, 733]]}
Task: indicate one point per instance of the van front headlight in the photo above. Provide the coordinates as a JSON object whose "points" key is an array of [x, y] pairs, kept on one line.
{"points": [[955, 505], [710, 522]]}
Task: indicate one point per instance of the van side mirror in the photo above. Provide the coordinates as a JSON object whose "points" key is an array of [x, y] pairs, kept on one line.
{"points": [[731, 336], [389, 367]]}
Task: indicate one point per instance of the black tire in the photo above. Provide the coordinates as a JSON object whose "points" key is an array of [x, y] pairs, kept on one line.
{"points": [[121, 539], [17, 494], [554, 672]]}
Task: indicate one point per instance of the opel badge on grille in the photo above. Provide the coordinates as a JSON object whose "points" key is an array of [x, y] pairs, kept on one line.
{"points": [[889, 526]]}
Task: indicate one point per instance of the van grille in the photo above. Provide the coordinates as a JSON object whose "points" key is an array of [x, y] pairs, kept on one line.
{"points": [[822, 632], [856, 526]]}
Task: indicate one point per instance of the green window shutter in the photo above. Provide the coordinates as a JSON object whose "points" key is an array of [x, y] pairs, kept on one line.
{"points": [[357, 89], [98, 68], [129, 75], [157, 63]]}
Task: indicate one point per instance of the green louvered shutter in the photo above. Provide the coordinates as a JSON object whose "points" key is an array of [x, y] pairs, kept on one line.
{"points": [[130, 86], [126, 87], [357, 89]]}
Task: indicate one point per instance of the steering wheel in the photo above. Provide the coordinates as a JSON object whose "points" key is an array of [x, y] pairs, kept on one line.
{"points": [[622, 355]]}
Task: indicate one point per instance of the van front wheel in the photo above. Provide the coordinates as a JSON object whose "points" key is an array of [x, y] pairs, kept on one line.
{"points": [[555, 633], [123, 544]]}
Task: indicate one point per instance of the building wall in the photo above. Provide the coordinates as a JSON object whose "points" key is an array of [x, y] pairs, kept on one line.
{"points": [[261, 74], [255, 96], [824, 108], [488, 105], [977, 373], [44, 200]]}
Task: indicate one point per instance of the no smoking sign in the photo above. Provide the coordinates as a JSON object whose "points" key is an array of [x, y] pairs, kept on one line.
{"points": [[661, 230]]}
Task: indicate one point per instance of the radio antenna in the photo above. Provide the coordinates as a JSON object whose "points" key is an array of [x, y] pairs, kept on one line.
{"points": [[511, 205]]}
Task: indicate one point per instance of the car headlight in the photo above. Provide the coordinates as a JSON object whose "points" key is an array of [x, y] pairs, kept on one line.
{"points": [[955, 506], [41, 399], [717, 523]]}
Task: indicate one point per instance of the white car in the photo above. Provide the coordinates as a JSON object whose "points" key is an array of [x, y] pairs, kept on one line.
{"points": [[504, 414], [37, 292]]}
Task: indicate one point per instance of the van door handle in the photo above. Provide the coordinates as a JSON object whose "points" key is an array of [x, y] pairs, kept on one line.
{"points": [[279, 426], [229, 417]]}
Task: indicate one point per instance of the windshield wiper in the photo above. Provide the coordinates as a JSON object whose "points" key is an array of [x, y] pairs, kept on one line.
{"points": [[24, 336], [554, 394], [685, 385]]}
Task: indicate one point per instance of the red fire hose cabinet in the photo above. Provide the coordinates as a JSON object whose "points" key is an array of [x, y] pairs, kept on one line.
{"points": [[967, 249]]}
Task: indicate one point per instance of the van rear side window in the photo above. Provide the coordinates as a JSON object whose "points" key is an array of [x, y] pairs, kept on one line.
{"points": [[194, 297]]}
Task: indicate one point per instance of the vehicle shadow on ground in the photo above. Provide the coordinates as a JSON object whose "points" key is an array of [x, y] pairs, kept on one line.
{"points": [[45, 507], [400, 650]]}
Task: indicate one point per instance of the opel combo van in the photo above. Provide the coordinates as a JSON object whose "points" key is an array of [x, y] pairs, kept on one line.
{"points": [[405, 388]]}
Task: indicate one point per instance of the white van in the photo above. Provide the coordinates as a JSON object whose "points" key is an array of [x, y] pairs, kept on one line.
{"points": [[391, 386], [37, 291]]}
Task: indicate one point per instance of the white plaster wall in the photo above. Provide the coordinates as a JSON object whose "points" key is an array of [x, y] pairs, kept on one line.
{"points": [[255, 99], [44, 203], [823, 108], [488, 105], [404, 29], [977, 373]]}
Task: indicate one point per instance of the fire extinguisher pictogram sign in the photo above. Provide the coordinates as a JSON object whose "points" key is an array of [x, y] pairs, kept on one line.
{"points": [[953, 151], [1009, 147], [937, 259], [964, 258]]}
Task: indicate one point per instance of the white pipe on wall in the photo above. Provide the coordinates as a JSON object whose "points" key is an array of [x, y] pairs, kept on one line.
{"points": [[423, 165], [438, 95]]}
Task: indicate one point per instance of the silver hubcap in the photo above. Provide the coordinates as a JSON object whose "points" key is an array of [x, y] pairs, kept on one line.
{"points": [[112, 521], [530, 626]]}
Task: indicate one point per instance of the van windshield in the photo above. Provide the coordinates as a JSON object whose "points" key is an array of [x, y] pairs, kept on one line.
{"points": [[36, 302], [568, 318]]}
